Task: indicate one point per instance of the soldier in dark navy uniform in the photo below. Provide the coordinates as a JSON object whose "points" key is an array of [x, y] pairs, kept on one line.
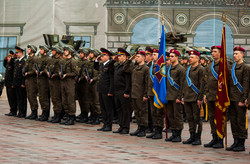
{"points": [[106, 89], [19, 83], [9, 62]]}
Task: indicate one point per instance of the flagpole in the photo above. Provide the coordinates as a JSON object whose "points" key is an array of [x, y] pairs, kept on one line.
{"points": [[224, 18]]}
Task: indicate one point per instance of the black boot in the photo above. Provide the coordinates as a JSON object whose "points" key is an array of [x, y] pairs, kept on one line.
{"points": [[96, 121], [57, 118], [71, 120], [212, 142], [191, 138], [197, 140], [233, 145], [172, 137], [34, 116], [142, 132], [65, 120], [44, 117], [219, 144], [177, 138], [136, 132], [40, 116], [158, 134], [152, 134], [240, 146]]}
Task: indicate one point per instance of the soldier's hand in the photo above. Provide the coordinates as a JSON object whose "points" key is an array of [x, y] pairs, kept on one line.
{"points": [[144, 99], [64, 76], [182, 100], [26, 74], [98, 57], [126, 95], [41, 73], [48, 74], [23, 86], [79, 79], [246, 103], [199, 103], [109, 94], [36, 72], [86, 78], [91, 81], [177, 101], [241, 104], [52, 76], [132, 57]]}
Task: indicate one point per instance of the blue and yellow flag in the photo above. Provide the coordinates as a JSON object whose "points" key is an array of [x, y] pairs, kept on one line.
{"points": [[159, 87]]}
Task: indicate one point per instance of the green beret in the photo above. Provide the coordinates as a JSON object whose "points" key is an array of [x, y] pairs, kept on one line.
{"points": [[33, 48], [45, 47]]}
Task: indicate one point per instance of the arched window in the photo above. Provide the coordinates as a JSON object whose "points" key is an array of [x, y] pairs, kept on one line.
{"points": [[209, 33], [147, 31]]}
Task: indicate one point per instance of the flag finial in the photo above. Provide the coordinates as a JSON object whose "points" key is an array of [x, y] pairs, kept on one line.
{"points": [[223, 17], [162, 20]]}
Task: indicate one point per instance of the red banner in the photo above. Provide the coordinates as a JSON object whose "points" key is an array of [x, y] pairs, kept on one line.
{"points": [[222, 98]]}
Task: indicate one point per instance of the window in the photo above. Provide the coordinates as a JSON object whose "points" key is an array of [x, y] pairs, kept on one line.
{"points": [[87, 40], [7, 43]]}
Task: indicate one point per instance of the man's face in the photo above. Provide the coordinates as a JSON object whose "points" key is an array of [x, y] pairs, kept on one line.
{"points": [[215, 53], [173, 58], [19, 55], [29, 51], [53, 52], [41, 51], [155, 57], [193, 59], [184, 61], [238, 55], [66, 52], [122, 58], [8, 58], [91, 55], [202, 61], [81, 55], [148, 58], [168, 62], [104, 58], [139, 58]]}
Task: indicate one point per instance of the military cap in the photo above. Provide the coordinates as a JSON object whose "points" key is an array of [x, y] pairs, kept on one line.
{"points": [[210, 58], [84, 50], [216, 47], [105, 52], [32, 47], [148, 50], [61, 50], [155, 50], [193, 52], [11, 53], [184, 56], [239, 49], [18, 49], [56, 48], [121, 51], [174, 52], [70, 48], [204, 57], [141, 53], [45, 47], [113, 52], [96, 52]]}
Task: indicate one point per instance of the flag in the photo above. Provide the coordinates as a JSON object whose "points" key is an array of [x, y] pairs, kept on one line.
{"points": [[222, 98], [159, 87]]}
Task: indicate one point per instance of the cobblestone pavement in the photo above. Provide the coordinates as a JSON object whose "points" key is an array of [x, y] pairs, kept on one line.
{"points": [[26, 141]]}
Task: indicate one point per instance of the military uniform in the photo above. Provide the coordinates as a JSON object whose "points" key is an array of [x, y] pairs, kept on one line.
{"points": [[174, 110], [11, 92], [69, 67], [197, 76], [122, 85], [138, 91], [237, 114], [92, 101], [43, 84], [82, 87], [105, 87], [157, 114], [55, 86], [19, 83], [31, 83]]}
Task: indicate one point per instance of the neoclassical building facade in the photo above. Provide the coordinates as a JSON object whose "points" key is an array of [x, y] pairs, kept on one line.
{"points": [[138, 21]]}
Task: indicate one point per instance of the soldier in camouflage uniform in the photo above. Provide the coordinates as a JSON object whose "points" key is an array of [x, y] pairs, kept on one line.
{"points": [[52, 70], [82, 85], [68, 72], [93, 97], [43, 82], [31, 81]]}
